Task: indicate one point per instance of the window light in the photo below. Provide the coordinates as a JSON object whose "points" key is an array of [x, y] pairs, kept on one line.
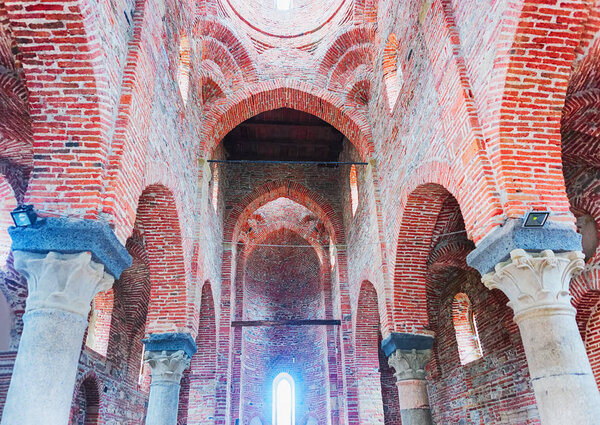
{"points": [[283, 400], [283, 4]]}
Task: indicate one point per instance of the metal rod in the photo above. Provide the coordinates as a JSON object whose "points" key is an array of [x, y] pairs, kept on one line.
{"points": [[271, 323], [251, 161]]}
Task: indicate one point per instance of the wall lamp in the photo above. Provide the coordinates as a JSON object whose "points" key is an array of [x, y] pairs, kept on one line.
{"points": [[536, 218], [24, 215]]}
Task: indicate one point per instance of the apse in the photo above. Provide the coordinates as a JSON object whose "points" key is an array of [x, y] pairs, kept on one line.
{"points": [[282, 281]]}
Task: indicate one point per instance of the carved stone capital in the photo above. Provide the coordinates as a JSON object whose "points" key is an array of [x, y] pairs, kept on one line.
{"points": [[167, 366], [409, 364], [536, 283], [65, 282]]}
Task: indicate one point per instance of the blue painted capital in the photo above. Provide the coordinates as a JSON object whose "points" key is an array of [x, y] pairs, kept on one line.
{"points": [[497, 246], [171, 342], [403, 341], [70, 236]]}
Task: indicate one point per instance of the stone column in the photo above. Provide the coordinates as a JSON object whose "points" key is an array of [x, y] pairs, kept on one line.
{"points": [[61, 288], [168, 355], [66, 262], [408, 354], [537, 286]]}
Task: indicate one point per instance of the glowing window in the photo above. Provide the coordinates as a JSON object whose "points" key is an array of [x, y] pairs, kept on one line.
{"points": [[465, 327], [283, 4], [283, 400], [332, 253], [215, 189], [353, 189], [183, 77]]}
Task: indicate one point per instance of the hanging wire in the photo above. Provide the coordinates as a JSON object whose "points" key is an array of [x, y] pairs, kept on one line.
{"points": [[240, 243]]}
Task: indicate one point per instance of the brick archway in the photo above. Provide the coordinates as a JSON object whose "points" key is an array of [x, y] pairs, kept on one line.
{"points": [[227, 113], [160, 227]]}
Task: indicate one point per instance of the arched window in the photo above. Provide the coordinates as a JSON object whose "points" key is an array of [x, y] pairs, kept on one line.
{"points": [[465, 326], [86, 405], [183, 77], [215, 188], [353, 189], [392, 73], [283, 400]]}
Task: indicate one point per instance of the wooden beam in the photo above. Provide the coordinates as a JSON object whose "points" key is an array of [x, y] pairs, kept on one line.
{"points": [[271, 323]]}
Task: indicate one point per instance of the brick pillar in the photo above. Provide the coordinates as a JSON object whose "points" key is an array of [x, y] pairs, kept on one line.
{"points": [[408, 354]]}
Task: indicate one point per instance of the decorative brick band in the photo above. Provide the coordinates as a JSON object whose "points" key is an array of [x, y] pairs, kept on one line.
{"points": [[71, 236], [496, 247]]}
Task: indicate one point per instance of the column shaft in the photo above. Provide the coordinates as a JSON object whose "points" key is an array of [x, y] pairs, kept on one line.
{"points": [[562, 379], [414, 402], [163, 403], [61, 288], [537, 286], [41, 389], [168, 355]]}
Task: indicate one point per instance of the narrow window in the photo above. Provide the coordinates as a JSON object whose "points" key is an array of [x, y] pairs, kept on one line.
{"points": [[283, 400], [392, 73], [465, 327], [215, 189], [183, 77], [283, 4], [332, 253], [353, 189]]}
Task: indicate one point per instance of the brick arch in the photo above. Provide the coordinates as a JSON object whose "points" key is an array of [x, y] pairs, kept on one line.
{"points": [[227, 113], [356, 55], [217, 52], [421, 212], [8, 202], [526, 117], [86, 397], [310, 236], [366, 11], [197, 396], [451, 253], [361, 35], [240, 47], [586, 299], [131, 296], [231, 274], [129, 142], [287, 189], [366, 342], [160, 228], [15, 127], [211, 82]]}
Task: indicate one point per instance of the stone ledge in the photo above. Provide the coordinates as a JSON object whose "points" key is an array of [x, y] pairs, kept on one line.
{"points": [[406, 342], [496, 247], [70, 236]]}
